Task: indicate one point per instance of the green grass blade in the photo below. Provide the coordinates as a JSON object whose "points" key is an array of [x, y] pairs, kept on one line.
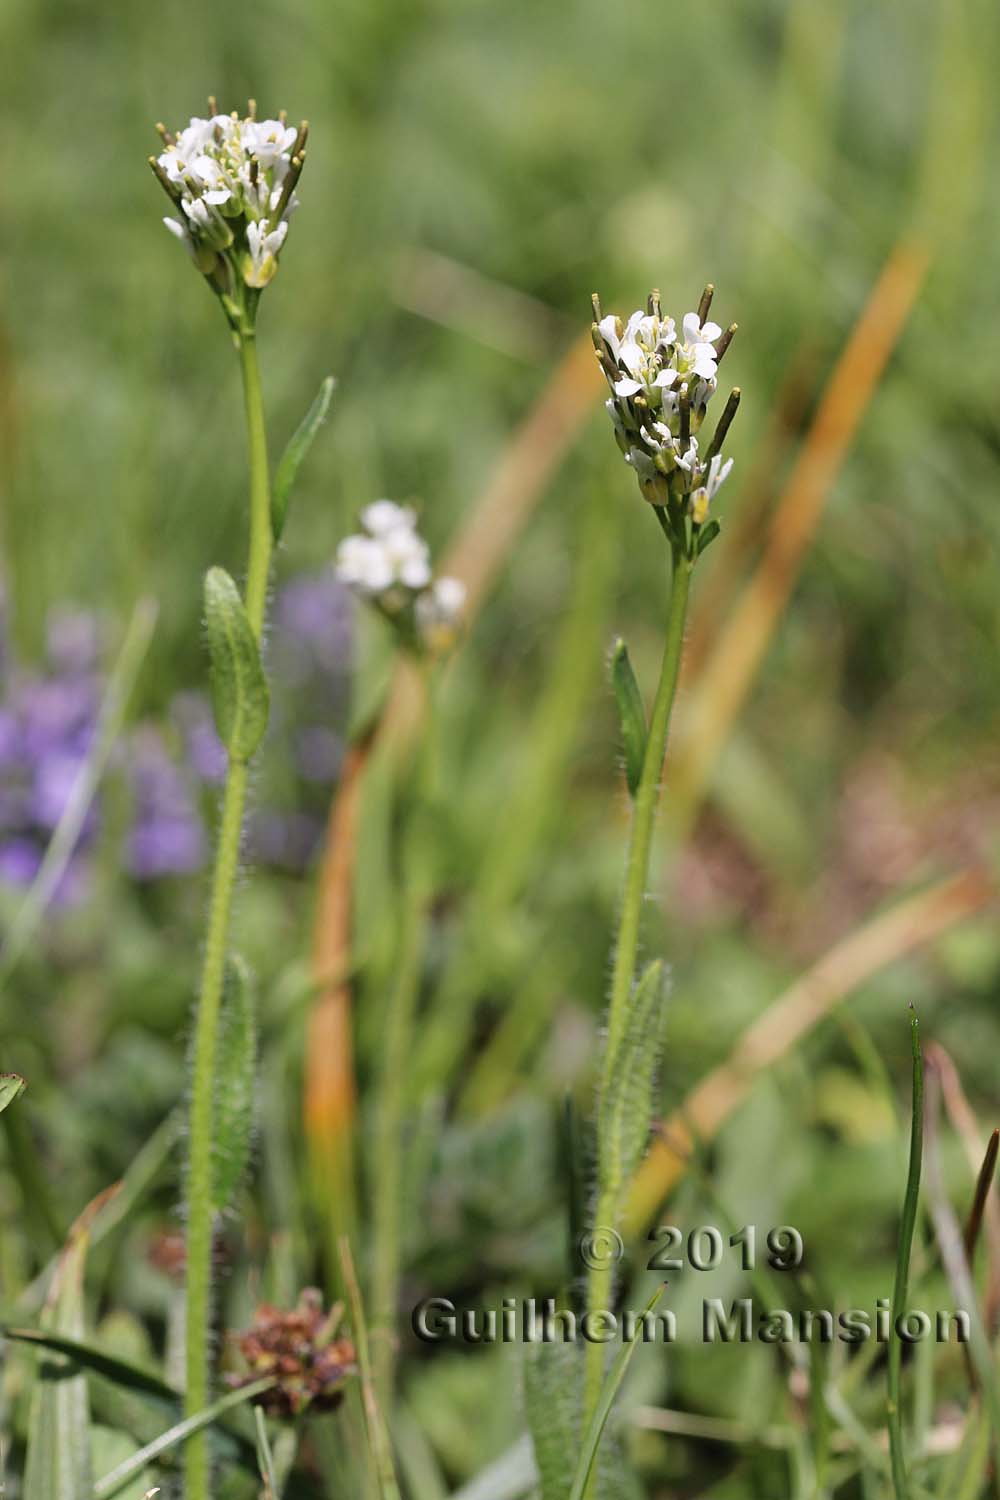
{"points": [[606, 1400], [57, 1463], [124, 1473], [265, 1458], [118, 1371], [378, 1436], [900, 1287]]}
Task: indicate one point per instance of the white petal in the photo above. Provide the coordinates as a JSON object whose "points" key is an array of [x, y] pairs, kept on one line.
{"points": [[385, 515], [415, 572], [710, 331], [609, 330], [627, 387]]}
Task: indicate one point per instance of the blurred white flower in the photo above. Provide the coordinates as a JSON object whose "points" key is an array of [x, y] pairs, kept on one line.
{"points": [[441, 604], [388, 563], [385, 515]]}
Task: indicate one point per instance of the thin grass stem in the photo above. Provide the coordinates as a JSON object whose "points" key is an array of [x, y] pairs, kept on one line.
{"points": [[897, 1456]]}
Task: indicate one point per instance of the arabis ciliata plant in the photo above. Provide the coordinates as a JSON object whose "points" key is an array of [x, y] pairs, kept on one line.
{"points": [[662, 379], [232, 183]]}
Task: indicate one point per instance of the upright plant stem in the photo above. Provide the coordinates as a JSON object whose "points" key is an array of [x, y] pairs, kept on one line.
{"points": [[200, 1223], [629, 925]]}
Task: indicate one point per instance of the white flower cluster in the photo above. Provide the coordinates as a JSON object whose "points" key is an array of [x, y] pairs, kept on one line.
{"points": [[661, 383], [388, 563], [234, 182]]}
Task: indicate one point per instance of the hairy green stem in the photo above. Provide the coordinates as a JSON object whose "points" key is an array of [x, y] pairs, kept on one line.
{"points": [[600, 1281], [200, 1224]]}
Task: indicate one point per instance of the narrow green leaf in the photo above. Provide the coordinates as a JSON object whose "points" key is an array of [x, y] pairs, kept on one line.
{"points": [[627, 1105], [609, 1390], [265, 1458], [553, 1384], [240, 696], [901, 1284], [379, 1445], [11, 1085], [631, 713], [123, 1474], [234, 1084], [89, 1357], [707, 535], [299, 444], [57, 1464]]}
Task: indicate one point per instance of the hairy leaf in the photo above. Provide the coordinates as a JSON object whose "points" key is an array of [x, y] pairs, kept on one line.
{"points": [[626, 1110], [240, 696], [553, 1385]]}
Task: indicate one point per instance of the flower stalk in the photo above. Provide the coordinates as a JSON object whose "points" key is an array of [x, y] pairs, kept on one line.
{"points": [[201, 1205], [233, 183], [661, 380]]}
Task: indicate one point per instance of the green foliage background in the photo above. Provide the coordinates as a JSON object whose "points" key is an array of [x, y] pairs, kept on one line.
{"points": [[778, 150]]}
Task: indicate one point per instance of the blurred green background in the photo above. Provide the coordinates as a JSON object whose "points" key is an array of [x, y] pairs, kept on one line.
{"points": [[475, 170]]}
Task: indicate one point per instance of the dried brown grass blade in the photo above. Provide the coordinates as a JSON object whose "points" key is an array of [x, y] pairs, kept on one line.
{"points": [[330, 1094], [740, 646], [915, 922]]}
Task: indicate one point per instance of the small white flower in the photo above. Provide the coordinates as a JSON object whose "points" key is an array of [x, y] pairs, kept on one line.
{"points": [[696, 352], [363, 565], [643, 350], [182, 233], [385, 515], [439, 608], [702, 497], [268, 140], [209, 175], [409, 556], [263, 245]]}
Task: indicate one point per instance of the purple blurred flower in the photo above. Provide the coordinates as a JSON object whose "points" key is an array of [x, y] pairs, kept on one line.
{"points": [[19, 861], [206, 753], [312, 635], [167, 836], [47, 721]]}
